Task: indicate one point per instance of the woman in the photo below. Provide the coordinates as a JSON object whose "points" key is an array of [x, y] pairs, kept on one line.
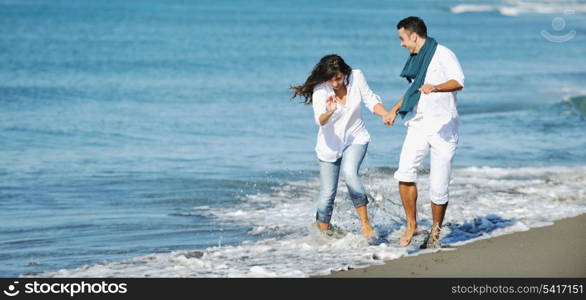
{"points": [[335, 91]]}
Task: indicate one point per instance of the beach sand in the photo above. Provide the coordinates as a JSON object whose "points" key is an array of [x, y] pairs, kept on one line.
{"points": [[551, 251]]}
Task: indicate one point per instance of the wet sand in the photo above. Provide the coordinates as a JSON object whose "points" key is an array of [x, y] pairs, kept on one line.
{"points": [[557, 250]]}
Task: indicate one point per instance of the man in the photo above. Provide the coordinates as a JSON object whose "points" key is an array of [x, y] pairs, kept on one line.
{"points": [[435, 76]]}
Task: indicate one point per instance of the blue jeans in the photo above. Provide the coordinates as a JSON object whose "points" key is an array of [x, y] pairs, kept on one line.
{"points": [[329, 173]]}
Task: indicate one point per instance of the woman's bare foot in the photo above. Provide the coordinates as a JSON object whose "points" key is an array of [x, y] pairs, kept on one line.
{"points": [[407, 236], [323, 227], [367, 230]]}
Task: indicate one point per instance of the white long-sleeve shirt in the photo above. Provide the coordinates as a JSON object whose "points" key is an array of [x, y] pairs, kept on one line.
{"points": [[437, 112], [345, 127]]}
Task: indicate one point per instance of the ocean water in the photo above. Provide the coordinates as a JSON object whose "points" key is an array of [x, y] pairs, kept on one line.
{"points": [[158, 138]]}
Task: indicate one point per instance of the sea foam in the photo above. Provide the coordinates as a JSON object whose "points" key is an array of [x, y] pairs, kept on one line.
{"points": [[485, 202], [515, 8]]}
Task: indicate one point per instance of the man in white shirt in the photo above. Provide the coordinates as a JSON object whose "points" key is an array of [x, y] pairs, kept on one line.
{"points": [[433, 128]]}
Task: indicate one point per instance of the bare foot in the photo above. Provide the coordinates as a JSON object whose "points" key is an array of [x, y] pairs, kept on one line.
{"points": [[435, 235], [367, 230], [433, 239], [323, 227], [407, 236]]}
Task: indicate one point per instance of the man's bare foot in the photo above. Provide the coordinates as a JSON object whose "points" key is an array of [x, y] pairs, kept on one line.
{"points": [[434, 236], [435, 233], [367, 230], [408, 235]]}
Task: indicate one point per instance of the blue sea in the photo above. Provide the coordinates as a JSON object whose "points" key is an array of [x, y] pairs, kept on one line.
{"points": [[158, 139]]}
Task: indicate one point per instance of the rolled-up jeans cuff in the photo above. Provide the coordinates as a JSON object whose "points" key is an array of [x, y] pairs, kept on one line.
{"points": [[360, 201]]}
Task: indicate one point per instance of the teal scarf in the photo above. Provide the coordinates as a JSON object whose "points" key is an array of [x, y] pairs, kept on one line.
{"points": [[415, 69]]}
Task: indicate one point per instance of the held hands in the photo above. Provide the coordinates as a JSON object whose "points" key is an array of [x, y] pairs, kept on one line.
{"points": [[331, 104], [428, 89], [389, 118]]}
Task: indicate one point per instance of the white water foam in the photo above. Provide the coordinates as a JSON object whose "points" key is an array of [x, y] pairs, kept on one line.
{"points": [[485, 202], [518, 7]]}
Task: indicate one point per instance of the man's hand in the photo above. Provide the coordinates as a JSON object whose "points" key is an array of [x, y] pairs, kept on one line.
{"points": [[448, 86], [428, 89]]}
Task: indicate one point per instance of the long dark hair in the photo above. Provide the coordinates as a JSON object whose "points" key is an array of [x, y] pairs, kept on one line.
{"points": [[327, 67]]}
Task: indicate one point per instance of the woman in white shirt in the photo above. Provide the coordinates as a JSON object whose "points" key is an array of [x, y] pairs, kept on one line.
{"points": [[336, 91]]}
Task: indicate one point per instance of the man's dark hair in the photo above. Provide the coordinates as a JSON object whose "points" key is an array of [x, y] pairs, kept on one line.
{"points": [[413, 24]]}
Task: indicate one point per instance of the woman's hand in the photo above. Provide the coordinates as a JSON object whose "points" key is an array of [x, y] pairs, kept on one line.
{"points": [[330, 109], [331, 104]]}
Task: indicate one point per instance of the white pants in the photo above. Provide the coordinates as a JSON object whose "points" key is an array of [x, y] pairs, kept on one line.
{"points": [[416, 145]]}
